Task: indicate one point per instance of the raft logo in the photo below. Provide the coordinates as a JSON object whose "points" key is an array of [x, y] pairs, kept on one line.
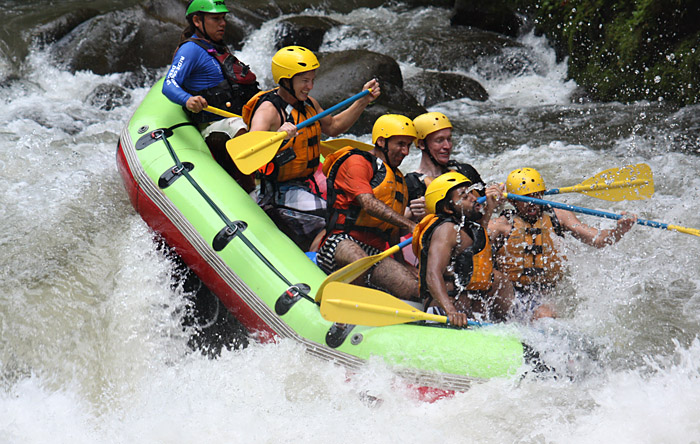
{"points": [[219, 4]]}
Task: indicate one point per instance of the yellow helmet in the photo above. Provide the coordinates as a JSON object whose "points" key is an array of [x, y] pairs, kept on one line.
{"points": [[428, 123], [440, 187], [292, 60], [524, 181], [393, 125]]}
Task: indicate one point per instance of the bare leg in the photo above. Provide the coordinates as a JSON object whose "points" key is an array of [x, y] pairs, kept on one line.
{"points": [[347, 252], [388, 274], [316, 243], [396, 279]]}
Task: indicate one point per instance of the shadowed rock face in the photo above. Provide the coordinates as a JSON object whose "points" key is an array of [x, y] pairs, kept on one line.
{"points": [[303, 30], [344, 73], [431, 88], [119, 41], [107, 97], [494, 15]]}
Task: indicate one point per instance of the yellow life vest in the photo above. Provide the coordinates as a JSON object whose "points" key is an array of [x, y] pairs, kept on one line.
{"points": [[298, 158], [529, 255], [473, 265], [387, 184]]}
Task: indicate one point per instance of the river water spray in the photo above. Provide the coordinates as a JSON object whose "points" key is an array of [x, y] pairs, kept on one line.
{"points": [[92, 347]]}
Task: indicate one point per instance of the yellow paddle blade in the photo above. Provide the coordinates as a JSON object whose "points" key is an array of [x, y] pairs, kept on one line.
{"points": [[333, 145], [350, 304], [253, 150], [632, 182], [354, 270], [219, 112]]}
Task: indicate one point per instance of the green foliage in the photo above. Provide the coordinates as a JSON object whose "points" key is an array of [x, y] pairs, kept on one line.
{"points": [[625, 50]]}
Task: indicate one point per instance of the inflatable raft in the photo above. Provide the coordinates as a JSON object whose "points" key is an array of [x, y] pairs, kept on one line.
{"points": [[262, 277]]}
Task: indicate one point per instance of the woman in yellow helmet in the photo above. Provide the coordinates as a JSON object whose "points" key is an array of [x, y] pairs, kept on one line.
{"points": [[527, 241], [288, 192], [456, 272]]}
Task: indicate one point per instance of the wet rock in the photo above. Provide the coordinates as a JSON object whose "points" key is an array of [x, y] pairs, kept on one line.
{"points": [[304, 30], [58, 28], [436, 87], [274, 8], [494, 15], [119, 41], [172, 11], [449, 49], [107, 97], [343, 74]]}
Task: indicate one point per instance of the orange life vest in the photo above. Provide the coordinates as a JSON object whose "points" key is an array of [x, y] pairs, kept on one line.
{"points": [[298, 158], [473, 265], [387, 185], [529, 255]]}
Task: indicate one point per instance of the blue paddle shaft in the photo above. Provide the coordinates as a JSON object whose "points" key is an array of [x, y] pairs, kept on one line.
{"points": [[649, 223], [405, 242], [332, 109]]}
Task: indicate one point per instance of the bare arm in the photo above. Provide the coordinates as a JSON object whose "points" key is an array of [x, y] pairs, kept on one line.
{"points": [[380, 210], [443, 242], [341, 122], [593, 236], [499, 229], [494, 199], [267, 118]]}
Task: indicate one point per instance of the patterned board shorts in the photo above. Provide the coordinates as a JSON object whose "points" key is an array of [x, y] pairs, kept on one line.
{"points": [[230, 126], [326, 254], [302, 211]]}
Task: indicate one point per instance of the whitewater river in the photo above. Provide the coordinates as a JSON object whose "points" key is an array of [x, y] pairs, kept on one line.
{"points": [[92, 347]]}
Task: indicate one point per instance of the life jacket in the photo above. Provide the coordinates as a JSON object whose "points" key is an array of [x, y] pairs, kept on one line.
{"points": [[473, 266], [237, 87], [298, 158], [529, 255], [387, 185]]}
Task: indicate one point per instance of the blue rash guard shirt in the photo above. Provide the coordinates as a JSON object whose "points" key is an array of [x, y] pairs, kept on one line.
{"points": [[193, 69]]}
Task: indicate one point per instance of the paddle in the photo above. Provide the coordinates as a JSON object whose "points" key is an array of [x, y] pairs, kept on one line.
{"points": [[219, 112], [350, 304], [352, 271], [253, 150], [649, 223], [632, 182], [333, 145]]}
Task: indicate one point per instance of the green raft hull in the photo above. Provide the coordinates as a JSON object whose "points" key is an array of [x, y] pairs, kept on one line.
{"points": [[237, 251]]}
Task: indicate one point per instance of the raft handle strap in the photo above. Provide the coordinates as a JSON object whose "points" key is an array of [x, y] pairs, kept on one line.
{"points": [[337, 334], [290, 297], [162, 134]]}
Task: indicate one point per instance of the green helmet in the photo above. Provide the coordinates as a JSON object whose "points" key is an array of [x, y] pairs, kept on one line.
{"points": [[210, 6]]}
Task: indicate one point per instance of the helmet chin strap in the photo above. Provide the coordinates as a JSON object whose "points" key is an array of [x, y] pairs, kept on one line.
{"points": [[385, 150], [204, 28], [289, 88]]}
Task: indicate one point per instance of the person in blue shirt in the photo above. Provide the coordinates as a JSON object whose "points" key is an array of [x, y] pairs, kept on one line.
{"points": [[205, 73]]}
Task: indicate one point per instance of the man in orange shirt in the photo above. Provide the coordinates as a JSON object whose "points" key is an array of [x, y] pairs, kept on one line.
{"points": [[367, 197]]}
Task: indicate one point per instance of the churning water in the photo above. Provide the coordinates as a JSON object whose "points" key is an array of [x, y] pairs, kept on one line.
{"points": [[92, 347]]}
